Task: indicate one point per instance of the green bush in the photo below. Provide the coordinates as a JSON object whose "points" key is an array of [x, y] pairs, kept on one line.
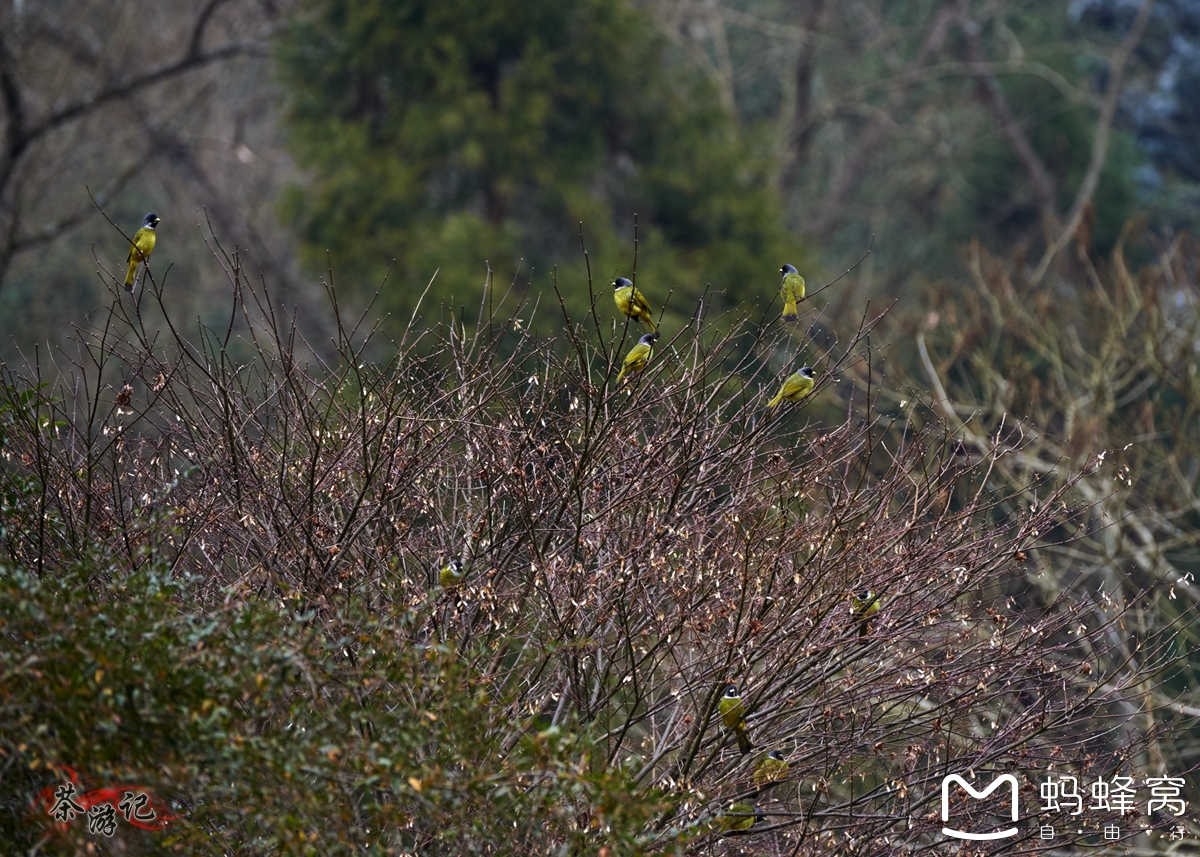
{"points": [[269, 732]]}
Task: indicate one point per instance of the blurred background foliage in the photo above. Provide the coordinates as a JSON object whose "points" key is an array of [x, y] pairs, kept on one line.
{"points": [[422, 137], [450, 135]]}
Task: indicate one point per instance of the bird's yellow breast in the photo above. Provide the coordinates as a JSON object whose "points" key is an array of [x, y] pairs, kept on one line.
{"points": [[143, 242], [624, 299], [638, 357]]}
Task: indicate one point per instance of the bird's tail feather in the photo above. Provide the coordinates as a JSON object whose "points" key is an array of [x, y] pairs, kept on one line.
{"points": [[778, 398], [129, 276], [790, 313], [648, 323], [743, 739]]}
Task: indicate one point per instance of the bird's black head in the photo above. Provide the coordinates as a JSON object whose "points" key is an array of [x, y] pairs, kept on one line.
{"points": [[806, 371], [731, 691], [151, 220], [777, 755], [865, 595], [456, 565], [648, 338], [621, 282], [788, 269]]}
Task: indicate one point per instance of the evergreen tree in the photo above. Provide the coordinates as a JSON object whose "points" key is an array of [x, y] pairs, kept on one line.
{"points": [[443, 134]]}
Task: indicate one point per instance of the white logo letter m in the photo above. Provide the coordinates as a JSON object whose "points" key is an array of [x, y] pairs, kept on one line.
{"points": [[978, 795]]}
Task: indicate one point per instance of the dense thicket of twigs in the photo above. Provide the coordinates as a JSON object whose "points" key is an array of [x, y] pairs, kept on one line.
{"points": [[232, 547], [1101, 361]]}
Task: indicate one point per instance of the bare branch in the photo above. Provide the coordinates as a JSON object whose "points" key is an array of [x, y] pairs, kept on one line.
{"points": [[51, 231], [802, 126], [851, 174], [202, 20], [119, 91], [1030, 68], [1041, 183], [1100, 138], [14, 106]]}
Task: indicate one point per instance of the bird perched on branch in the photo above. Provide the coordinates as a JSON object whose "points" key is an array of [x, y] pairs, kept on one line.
{"points": [[451, 574], [792, 291], [772, 768], [633, 303], [866, 605], [733, 715], [795, 387], [740, 816], [638, 356], [141, 248]]}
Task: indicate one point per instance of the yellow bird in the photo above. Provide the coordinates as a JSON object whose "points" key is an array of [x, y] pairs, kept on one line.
{"points": [[792, 291], [141, 248], [633, 303], [795, 387], [771, 768], [733, 715], [638, 356], [451, 574], [866, 605], [740, 816]]}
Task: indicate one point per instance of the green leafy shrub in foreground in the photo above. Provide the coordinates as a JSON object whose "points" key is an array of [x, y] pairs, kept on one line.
{"points": [[268, 735]]}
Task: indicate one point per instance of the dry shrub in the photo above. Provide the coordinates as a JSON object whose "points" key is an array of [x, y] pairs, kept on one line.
{"points": [[628, 552]]}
